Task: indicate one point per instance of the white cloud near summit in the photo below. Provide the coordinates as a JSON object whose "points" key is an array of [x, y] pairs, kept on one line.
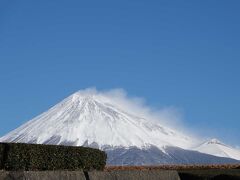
{"points": [[167, 116]]}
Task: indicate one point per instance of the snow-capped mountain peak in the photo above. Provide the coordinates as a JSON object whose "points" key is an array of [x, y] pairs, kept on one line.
{"points": [[95, 119], [217, 148], [215, 141], [89, 118]]}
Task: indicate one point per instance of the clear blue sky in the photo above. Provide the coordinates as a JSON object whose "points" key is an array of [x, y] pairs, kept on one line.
{"points": [[173, 53]]}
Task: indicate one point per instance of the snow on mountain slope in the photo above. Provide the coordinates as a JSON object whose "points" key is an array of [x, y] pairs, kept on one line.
{"points": [[92, 118], [89, 118], [217, 148], [154, 156]]}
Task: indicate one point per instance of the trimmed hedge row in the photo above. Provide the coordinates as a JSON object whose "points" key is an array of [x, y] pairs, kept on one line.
{"points": [[1, 156], [19, 156]]}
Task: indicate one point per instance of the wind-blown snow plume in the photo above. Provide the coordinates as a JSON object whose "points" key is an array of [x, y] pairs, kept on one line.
{"points": [[106, 118], [167, 116], [115, 122]]}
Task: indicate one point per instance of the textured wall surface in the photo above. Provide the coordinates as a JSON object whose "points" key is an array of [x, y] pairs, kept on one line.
{"points": [[134, 175], [94, 175], [122, 175], [42, 175]]}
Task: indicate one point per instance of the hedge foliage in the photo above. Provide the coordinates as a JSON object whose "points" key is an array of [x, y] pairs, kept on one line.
{"points": [[19, 156], [1, 156]]}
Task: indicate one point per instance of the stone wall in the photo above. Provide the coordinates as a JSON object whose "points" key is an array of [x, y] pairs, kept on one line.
{"points": [[134, 175], [122, 175], [93, 175], [42, 175]]}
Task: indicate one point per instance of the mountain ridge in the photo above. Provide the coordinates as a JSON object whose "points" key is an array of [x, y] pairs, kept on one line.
{"points": [[94, 120], [216, 147], [77, 113]]}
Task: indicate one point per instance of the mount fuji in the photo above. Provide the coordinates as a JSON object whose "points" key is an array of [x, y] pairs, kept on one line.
{"points": [[93, 119]]}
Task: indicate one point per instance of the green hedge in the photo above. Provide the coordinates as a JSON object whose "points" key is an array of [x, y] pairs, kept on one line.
{"points": [[1, 156], [19, 156]]}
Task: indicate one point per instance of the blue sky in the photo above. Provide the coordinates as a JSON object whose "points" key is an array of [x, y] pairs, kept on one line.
{"points": [[184, 54]]}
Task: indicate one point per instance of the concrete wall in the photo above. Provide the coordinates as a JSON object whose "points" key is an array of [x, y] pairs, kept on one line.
{"points": [[121, 175], [94, 175], [42, 175], [134, 175]]}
